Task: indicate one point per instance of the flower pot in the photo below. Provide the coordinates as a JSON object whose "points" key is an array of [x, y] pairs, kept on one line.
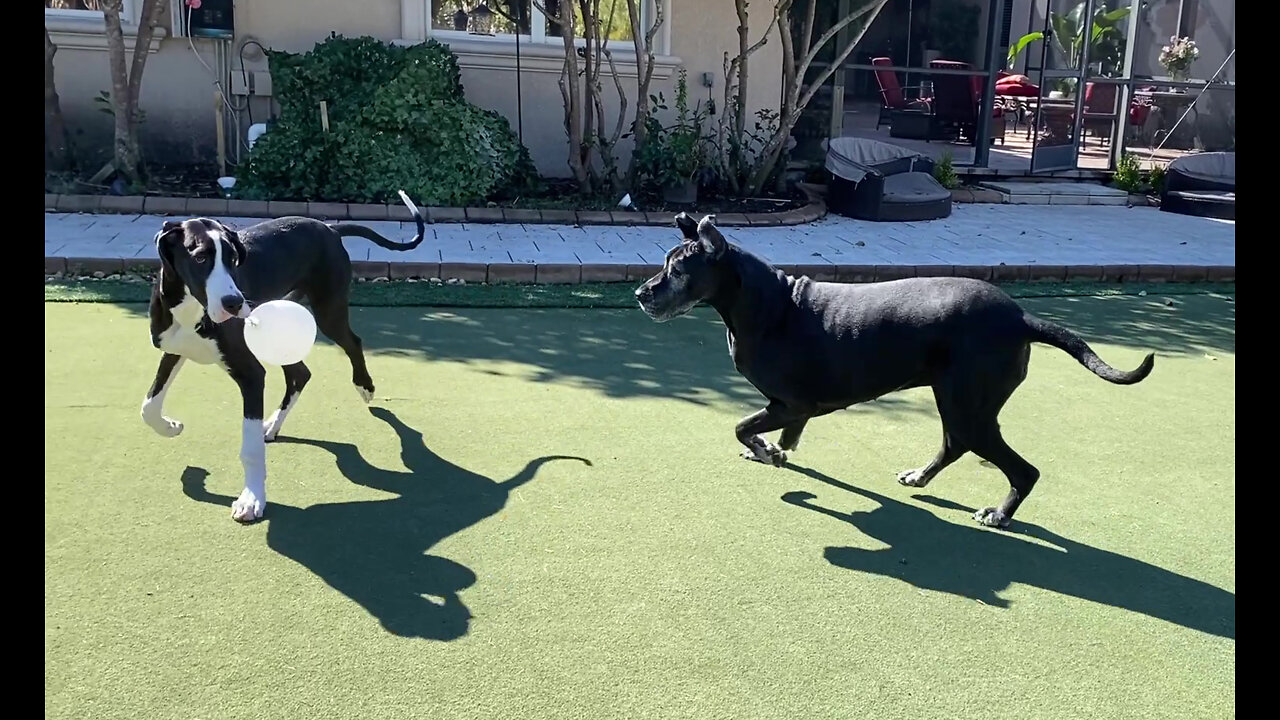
{"points": [[683, 194]]}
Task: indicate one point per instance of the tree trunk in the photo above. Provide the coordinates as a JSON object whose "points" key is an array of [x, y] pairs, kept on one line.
{"points": [[799, 95], [57, 141], [644, 75], [126, 83]]}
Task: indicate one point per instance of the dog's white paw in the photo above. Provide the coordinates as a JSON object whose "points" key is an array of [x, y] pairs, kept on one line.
{"points": [[165, 427], [992, 517], [249, 506], [365, 394], [271, 426], [762, 451], [913, 478]]}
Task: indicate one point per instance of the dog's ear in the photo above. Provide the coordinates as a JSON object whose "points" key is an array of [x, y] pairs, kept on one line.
{"points": [[164, 242], [712, 242], [687, 226], [233, 238]]}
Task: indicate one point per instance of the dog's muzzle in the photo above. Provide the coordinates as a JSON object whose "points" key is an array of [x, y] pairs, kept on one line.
{"points": [[229, 306]]}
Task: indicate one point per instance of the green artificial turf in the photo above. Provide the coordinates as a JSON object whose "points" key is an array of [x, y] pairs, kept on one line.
{"points": [[431, 558], [588, 295]]}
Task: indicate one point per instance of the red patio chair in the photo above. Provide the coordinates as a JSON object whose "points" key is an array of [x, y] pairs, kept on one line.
{"points": [[893, 95]]}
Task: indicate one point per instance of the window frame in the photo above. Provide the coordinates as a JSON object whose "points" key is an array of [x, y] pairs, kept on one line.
{"points": [[537, 34]]}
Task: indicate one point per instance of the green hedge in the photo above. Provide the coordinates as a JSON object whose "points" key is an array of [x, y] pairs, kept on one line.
{"points": [[397, 120]]}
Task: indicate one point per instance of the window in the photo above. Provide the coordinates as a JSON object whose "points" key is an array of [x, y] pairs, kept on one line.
{"points": [[72, 8], [499, 19]]}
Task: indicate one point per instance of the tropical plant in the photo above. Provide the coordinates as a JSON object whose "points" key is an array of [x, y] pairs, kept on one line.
{"points": [[945, 173], [1106, 38]]}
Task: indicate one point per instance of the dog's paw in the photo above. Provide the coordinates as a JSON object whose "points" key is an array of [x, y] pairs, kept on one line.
{"points": [[165, 427], [366, 394], [271, 426], [992, 517], [248, 507], [762, 451], [913, 478]]}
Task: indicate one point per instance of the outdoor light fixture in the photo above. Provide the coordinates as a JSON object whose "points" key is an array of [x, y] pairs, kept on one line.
{"points": [[481, 20]]}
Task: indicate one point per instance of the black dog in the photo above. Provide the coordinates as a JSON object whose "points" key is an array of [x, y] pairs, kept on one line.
{"points": [[812, 348], [210, 276]]}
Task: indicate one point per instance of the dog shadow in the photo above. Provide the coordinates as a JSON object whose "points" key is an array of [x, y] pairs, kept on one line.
{"points": [[375, 552], [978, 563]]}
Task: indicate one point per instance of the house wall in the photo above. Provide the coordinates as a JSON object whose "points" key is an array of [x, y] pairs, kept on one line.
{"points": [[178, 92]]}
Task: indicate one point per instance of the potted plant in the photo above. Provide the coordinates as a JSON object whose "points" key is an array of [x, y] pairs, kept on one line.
{"points": [[675, 155], [1177, 56], [1106, 38]]}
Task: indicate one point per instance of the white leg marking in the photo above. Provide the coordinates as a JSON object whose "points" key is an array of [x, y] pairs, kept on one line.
{"points": [[365, 395], [271, 428], [253, 456], [153, 407]]}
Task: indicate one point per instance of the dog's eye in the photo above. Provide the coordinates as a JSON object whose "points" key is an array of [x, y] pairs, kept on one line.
{"points": [[676, 272], [200, 257]]}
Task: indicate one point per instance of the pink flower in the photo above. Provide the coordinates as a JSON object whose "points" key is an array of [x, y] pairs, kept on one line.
{"points": [[193, 4]]}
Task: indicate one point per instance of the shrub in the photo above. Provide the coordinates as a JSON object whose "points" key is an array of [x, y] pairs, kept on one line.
{"points": [[1156, 179], [397, 120], [945, 173], [1127, 177], [675, 154]]}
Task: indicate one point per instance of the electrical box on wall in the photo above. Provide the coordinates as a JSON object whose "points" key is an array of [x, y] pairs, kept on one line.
{"points": [[213, 19]]}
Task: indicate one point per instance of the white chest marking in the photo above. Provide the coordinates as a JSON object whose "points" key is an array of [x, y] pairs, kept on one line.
{"points": [[180, 338]]}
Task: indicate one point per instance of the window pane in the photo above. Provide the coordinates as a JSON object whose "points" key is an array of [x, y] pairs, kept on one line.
{"points": [[91, 5], [500, 19], [1211, 25], [615, 20]]}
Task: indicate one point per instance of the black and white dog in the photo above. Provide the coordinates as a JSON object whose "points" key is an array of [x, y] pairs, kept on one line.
{"points": [[812, 348], [210, 277]]}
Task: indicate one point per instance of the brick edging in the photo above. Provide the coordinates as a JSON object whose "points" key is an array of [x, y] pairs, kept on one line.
{"points": [[158, 205], [975, 194], [526, 273]]}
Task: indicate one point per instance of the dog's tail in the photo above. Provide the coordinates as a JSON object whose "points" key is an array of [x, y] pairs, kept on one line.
{"points": [[1067, 341], [353, 230]]}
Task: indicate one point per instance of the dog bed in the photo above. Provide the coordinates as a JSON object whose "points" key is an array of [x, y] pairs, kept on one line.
{"points": [[1203, 184], [873, 180]]}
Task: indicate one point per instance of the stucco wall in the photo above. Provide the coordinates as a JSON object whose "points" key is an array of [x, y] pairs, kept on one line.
{"points": [[177, 90]]}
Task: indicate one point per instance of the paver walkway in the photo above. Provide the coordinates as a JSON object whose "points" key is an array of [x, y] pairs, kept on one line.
{"points": [[974, 236]]}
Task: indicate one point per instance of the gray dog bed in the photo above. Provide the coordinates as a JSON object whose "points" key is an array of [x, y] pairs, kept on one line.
{"points": [[873, 180], [1203, 184]]}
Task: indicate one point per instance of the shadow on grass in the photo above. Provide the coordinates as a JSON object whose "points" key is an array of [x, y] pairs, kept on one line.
{"points": [[978, 563], [1191, 323], [622, 353], [374, 552]]}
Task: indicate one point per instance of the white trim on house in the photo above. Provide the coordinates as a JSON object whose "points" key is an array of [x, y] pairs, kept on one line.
{"points": [[86, 30], [539, 53]]}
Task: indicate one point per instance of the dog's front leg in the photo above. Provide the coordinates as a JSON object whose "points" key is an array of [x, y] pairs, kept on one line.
{"points": [[773, 417], [153, 404], [253, 448]]}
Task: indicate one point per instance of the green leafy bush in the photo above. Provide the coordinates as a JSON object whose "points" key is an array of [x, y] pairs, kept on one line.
{"points": [[1127, 176], [676, 154], [945, 173], [397, 119], [1156, 180]]}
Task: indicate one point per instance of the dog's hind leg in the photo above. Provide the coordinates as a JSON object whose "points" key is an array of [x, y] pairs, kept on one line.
{"points": [[153, 404], [1022, 475], [334, 320], [790, 439], [749, 429], [970, 399], [296, 377], [952, 449]]}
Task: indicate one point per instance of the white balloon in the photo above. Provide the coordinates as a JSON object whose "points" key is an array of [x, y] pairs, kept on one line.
{"points": [[280, 332]]}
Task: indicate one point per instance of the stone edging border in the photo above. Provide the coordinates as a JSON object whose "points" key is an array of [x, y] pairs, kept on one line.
{"points": [[816, 209], [571, 274]]}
